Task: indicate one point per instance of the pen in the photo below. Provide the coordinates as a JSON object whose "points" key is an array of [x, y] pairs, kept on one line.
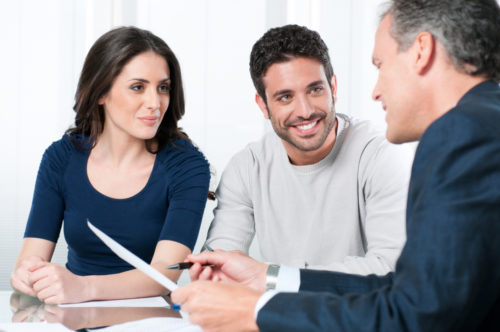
{"points": [[184, 265], [187, 265]]}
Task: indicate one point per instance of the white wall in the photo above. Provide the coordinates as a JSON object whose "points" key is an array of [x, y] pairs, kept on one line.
{"points": [[42, 55]]}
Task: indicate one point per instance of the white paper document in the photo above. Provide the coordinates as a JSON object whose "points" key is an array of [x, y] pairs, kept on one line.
{"points": [[132, 259], [155, 301], [160, 324]]}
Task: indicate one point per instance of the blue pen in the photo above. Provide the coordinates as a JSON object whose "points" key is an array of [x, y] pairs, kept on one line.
{"points": [[177, 307]]}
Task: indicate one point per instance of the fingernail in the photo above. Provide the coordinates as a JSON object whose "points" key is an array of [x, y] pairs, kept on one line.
{"points": [[176, 307]]}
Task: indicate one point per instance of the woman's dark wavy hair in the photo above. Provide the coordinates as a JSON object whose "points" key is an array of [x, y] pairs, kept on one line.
{"points": [[104, 62], [468, 30]]}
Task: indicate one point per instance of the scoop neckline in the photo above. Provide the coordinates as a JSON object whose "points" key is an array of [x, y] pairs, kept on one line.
{"points": [[138, 194]]}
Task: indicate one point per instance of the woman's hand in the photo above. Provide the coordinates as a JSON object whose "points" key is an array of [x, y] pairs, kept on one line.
{"points": [[20, 277], [55, 284]]}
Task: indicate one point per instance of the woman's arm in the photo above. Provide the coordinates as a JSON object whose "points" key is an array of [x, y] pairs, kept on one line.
{"points": [[135, 283], [55, 284], [34, 253]]}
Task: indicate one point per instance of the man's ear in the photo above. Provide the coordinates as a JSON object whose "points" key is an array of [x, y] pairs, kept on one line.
{"points": [[333, 83], [425, 48], [262, 105]]}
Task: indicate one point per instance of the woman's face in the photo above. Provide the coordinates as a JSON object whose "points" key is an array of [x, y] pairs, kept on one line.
{"points": [[138, 98]]}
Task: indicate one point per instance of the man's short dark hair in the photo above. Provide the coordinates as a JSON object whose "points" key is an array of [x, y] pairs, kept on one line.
{"points": [[469, 30], [283, 44]]}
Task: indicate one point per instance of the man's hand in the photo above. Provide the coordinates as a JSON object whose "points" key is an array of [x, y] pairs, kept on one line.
{"points": [[20, 278], [229, 266], [55, 284], [218, 306]]}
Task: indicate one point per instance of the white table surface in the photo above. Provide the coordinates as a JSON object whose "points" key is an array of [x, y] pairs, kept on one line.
{"points": [[142, 319]]}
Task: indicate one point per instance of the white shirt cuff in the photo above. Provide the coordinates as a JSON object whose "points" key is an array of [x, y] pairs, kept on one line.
{"points": [[263, 300], [288, 281]]}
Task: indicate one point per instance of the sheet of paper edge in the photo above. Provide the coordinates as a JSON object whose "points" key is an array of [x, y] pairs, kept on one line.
{"points": [[155, 301], [132, 259]]}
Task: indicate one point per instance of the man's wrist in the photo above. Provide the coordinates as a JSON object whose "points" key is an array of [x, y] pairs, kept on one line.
{"points": [[272, 276]]}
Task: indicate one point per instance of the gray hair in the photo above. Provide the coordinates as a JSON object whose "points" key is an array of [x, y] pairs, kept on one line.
{"points": [[469, 30]]}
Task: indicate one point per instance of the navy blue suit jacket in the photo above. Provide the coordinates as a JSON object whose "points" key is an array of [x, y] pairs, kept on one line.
{"points": [[448, 275]]}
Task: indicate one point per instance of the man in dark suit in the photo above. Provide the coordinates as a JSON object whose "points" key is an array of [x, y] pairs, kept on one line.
{"points": [[439, 68]]}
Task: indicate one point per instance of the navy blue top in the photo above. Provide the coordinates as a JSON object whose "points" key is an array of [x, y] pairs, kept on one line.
{"points": [[169, 207]]}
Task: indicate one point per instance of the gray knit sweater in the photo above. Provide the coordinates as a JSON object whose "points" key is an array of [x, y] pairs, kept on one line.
{"points": [[345, 213]]}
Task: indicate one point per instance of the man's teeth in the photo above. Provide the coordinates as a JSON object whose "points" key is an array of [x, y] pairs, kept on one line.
{"points": [[307, 126]]}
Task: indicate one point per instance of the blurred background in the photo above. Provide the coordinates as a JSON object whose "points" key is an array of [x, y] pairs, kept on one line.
{"points": [[44, 44]]}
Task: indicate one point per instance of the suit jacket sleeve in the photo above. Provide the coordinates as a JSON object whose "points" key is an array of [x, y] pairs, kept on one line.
{"points": [[340, 283], [447, 278]]}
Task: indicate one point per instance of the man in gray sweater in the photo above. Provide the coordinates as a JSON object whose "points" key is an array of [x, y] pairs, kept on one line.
{"points": [[326, 192]]}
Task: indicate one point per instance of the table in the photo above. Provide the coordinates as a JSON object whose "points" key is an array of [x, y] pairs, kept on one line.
{"points": [[19, 312]]}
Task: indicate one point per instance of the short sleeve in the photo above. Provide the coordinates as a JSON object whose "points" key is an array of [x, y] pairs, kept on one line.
{"points": [[189, 177], [47, 208]]}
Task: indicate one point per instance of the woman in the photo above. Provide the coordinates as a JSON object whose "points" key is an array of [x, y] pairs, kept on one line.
{"points": [[127, 168]]}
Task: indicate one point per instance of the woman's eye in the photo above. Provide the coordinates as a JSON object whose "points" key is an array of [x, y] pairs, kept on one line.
{"points": [[164, 88], [136, 87]]}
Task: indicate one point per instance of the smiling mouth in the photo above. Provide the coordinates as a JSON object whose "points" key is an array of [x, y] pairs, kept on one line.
{"points": [[307, 129], [149, 120], [307, 126]]}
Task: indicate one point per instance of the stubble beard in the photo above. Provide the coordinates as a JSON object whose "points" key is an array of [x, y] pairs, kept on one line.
{"points": [[283, 132]]}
